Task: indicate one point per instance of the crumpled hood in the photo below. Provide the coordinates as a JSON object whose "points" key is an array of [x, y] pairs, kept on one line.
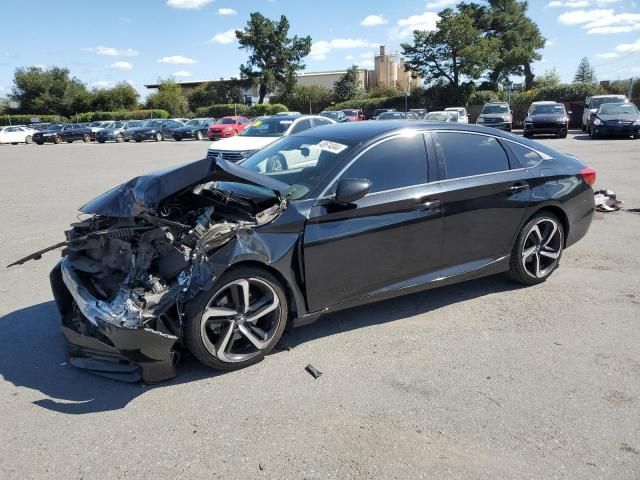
{"points": [[145, 193], [241, 143]]}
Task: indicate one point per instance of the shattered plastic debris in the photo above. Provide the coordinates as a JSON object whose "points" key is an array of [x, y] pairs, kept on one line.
{"points": [[313, 371], [606, 201]]}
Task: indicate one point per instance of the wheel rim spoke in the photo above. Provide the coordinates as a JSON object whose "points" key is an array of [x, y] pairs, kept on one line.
{"points": [[261, 312], [537, 260], [552, 234], [549, 254], [246, 331], [221, 346], [536, 230], [218, 312], [528, 252]]}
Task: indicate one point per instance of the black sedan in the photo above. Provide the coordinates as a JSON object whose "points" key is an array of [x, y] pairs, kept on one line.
{"points": [[156, 130], [58, 133], [218, 258], [195, 128], [615, 119], [546, 118]]}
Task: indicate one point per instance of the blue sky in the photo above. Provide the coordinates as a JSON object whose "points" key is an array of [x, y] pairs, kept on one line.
{"points": [[140, 41]]}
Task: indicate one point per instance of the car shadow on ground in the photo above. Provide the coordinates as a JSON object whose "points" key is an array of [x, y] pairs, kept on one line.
{"points": [[34, 355], [585, 136]]}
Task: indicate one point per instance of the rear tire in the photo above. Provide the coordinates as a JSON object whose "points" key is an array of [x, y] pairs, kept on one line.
{"points": [[198, 135], [119, 138], [219, 330], [27, 139], [57, 140], [537, 251], [159, 137]]}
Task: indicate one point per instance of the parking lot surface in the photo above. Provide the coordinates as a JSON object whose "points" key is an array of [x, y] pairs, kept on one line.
{"points": [[478, 380]]}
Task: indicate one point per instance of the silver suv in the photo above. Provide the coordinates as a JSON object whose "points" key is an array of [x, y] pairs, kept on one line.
{"points": [[496, 115]]}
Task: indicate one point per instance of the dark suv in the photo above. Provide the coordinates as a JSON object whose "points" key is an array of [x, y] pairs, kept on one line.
{"points": [[546, 118]]}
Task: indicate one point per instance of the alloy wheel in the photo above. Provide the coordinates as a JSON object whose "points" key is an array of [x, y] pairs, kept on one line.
{"points": [[240, 320], [542, 248]]}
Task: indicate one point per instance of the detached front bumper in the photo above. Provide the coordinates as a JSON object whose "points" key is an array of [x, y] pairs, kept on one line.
{"points": [[98, 343]]}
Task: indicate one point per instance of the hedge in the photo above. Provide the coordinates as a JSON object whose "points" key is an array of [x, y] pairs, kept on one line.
{"points": [[564, 92], [224, 110], [26, 119], [120, 115]]}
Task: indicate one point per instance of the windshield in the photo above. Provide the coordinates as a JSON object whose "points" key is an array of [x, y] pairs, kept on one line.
{"points": [[226, 121], [489, 109], [194, 123], [391, 116], [115, 125], [300, 161], [95, 124], [55, 128], [596, 102], [267, 127], [624, 109], [152, 124], [437, 117], [547, 110], [134, 124], [351, 113]]}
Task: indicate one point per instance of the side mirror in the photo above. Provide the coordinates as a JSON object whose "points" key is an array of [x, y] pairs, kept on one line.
{"points": [[350, 190]]}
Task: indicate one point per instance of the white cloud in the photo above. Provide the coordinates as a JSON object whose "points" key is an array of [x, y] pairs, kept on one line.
{"points": [[187, 4], [349, 57], [550, 43], [602, 21], [124, 66], [112, 52], [373, 20], [607, 55], [438, 4], [227, 11], [406, 26], [102, 84], [570, 4], [177, 60], [629, 47], [224, 37], [322, 48], [182, 73]]}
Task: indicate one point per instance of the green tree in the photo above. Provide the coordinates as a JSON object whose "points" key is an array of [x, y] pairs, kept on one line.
{"points": [[454, 51], [519, 38], [49, 91], [121, 97], [348, 86], [213, 93], [585, 72], [380, 91], [305, 98], [168, 97], [274, 58], [549, 78]]}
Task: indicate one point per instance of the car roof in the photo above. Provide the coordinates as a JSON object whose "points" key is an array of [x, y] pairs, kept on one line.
{"points": [[608, 96], [546, 102]]}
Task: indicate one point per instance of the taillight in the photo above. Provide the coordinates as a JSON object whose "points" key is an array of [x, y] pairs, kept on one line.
{"points": [[588, 175]]}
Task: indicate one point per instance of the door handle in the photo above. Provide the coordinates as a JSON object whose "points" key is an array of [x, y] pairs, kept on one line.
{"points": [[427, 205], [517, 188]]}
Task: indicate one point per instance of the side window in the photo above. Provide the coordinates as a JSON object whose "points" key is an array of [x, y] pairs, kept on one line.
{"points": [[527, 157], [399, 162], [466, 154], [302, 125], [320, 121]]}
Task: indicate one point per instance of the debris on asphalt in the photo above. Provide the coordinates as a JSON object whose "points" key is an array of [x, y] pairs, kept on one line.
{"points": [[313, 371], [606, 201]]}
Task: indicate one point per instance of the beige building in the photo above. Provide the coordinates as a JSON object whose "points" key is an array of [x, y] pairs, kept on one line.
{"points": [[388, 72]]}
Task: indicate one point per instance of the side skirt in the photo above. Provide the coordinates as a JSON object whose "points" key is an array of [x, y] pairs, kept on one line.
{"points": [[440, 278]]}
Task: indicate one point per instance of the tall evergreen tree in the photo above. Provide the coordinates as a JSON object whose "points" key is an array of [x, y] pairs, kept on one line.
{"points": [[585, 72], [347, 87]]}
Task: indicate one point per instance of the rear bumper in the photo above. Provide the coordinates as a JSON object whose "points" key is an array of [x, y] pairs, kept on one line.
{"points": [[98, 344]]}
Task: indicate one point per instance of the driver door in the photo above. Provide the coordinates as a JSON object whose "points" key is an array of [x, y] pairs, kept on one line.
{"points": [[391, 236]]}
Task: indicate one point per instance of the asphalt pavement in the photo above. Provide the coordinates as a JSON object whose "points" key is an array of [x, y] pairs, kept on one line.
{"points": [[478, 380]]}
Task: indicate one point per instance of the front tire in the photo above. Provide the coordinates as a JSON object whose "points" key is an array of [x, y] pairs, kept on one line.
{"points": [[27, 139], [276, 163], [86, 138], [198, 135], [537, 251], [159, 137], [238, 321]]}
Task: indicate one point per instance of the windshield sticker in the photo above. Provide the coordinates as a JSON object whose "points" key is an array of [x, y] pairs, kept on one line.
{"points": [[332, 147], [257, 123]]}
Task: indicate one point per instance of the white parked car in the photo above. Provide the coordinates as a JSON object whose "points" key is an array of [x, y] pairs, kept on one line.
{"points": [[261, 133], [463, 116], [16, 134]]}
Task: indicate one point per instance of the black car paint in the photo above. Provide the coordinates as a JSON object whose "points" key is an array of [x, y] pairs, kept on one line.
{"points": [[617, 124], [544, 124], [331, 257], [165, 129], [73, 132], [190, 131]]}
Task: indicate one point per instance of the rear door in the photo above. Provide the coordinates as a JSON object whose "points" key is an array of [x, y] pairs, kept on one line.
{"points": [[390, 236], [483, 197]]}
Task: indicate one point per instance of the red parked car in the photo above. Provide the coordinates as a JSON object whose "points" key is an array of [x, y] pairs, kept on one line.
{"points": [[227, 127], [354, 115]]}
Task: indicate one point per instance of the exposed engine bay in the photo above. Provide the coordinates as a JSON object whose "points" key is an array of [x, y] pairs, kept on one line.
{"points": [[146, 248]]}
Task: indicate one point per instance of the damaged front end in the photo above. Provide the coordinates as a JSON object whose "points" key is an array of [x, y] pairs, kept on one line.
{"points": [[145, 249]]}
